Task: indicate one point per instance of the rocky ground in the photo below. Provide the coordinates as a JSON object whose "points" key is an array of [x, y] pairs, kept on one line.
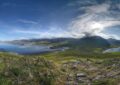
{"points": [[90, 72]]}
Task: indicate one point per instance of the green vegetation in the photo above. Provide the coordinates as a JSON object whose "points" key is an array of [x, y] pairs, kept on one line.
{"points": [[55, 44], [59, 68]]}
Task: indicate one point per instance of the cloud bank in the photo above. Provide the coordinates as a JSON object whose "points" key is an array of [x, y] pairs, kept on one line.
{"points": [[96, 19]]}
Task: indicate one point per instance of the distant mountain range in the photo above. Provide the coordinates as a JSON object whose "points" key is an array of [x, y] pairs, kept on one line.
{"points": [[89, 44], [114, 42], [94, 43]]}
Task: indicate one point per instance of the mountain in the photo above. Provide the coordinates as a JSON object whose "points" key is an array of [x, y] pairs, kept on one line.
{"points": [[54, 40], [112, 50], [90, 44], [114, 42], [93, 41], [85, 44]]}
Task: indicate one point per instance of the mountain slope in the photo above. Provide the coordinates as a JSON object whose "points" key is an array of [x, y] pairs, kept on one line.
{"points": [[90, 44], [85, 44], [114, 42]]}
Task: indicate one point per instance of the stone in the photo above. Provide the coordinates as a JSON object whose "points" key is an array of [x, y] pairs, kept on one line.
{"points": [[81, 75]]}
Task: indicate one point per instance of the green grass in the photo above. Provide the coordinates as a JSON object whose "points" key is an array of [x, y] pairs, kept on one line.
{"points": [[55, 68]]}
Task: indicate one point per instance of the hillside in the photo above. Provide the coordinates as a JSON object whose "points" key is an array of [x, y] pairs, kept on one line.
{"points": [[114, 42], [86, 45], [55, 69], [90, 44]]}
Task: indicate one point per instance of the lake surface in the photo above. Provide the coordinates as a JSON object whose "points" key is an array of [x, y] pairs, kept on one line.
{"points": [[27, 49], [112, 50]]}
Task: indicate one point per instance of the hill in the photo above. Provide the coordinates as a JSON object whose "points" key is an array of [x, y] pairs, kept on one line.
{"points": [[92, 44], [114, 42], [86, 44], [52, 69]]}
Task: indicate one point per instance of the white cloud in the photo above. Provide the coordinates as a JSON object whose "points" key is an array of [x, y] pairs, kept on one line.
{"points": [[53, 32], [27, 21], [95, 20], [118, 5], [101, 8]]}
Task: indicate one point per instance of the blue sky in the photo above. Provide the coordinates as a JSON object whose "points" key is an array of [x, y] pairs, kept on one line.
{"points": [[23, 19]]}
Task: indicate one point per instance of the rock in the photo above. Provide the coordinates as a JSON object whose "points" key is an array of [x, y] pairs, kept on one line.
{"points": [[98, 77], [76, 83], [74, 66], [70, 77], [81, 75]]}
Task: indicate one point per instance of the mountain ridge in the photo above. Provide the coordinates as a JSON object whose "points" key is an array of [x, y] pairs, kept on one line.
{"points": [[87, 43]]}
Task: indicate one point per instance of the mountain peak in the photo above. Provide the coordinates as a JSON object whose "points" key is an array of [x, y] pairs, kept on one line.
{"points": [[91, 43]]}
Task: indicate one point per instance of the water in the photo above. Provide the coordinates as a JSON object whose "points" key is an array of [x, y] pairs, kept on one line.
{"points": [[28, 49], [112, 50]]}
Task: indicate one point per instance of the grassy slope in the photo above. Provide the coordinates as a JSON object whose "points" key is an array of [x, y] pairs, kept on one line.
{"points": [[23, 70], [93, 65], [56, 69]]}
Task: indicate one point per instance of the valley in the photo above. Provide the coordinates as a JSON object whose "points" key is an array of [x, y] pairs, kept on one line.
{"points": [[81, 63]]}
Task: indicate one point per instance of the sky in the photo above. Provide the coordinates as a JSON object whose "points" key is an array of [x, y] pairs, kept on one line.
{"points": [[29, 19]]}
